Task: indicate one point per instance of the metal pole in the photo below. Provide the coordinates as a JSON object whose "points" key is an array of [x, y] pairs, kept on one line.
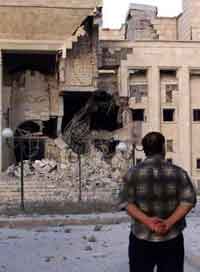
{"points": [[80, 180], [22, 173], [133, 154]]}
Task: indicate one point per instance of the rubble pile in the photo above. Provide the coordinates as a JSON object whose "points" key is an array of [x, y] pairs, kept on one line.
{"points": [[98, 176], [36, 168]]}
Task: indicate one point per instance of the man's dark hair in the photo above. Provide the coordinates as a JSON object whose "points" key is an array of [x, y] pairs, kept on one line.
{"points": [[153, 143]]}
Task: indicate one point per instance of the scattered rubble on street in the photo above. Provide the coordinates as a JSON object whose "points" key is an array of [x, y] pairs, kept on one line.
{"points": [[81, 248]]}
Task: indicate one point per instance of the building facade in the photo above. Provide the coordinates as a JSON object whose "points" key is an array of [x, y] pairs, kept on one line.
{"points": [[160, 76], [67, 84]]}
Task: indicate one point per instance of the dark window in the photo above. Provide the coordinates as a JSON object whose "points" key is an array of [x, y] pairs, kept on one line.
{"points": [[169, 145], [138, 161], [138, 115], [196, 115], [168, 73], [170, 160], [50, 127], [136, 72], [198, 163], [168, 115]]}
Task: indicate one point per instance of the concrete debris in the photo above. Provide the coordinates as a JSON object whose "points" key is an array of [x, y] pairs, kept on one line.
{"points": [[15, 170], [49, 259], [92, 239], [60, 143], [42, 167], [88, 248], [98, 228], [67, 230], [100, 178]]}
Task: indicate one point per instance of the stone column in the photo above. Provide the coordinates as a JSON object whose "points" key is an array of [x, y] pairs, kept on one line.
{"points": [[184, 121], [60, 115], [1, 113], [154, 99], [124, 81]]}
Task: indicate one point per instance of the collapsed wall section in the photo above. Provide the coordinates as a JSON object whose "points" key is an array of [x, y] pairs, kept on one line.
{"points": [[79, 69], [31, 88]]}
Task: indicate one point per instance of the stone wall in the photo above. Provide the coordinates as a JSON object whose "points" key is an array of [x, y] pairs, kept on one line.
{"points": [[184, 22], [43, 20], [28, 96], [38, 23], [189, 21], [112, 34], [166, 28], [33, 97], [195, 104], [52, 3], [139, 26], [195, 20], [79, 69], [81, 64], [109, 58], [108, 81]]}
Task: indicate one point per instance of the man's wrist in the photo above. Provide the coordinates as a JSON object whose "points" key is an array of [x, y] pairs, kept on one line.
{"points": [[169, 223], [146, 220]]}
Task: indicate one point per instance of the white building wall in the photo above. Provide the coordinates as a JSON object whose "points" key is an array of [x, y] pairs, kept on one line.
{"points": [[189, 21], [195, 104], [170, 129]]}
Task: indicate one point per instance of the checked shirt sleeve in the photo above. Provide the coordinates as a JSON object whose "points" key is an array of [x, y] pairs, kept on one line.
{"points": [[127, 194], [187, 193]]}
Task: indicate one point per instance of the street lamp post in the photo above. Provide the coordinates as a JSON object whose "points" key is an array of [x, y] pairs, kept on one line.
{"points": [[80, 178], [123, 147], [8, 135], [24, 135], [21, 147]]}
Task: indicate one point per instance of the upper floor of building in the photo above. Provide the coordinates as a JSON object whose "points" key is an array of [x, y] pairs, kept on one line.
{"points": [[143, 23], [43, 19]]}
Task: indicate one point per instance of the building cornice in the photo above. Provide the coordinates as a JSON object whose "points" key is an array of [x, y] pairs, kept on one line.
{"points": [[31, 45], [65, 4]]}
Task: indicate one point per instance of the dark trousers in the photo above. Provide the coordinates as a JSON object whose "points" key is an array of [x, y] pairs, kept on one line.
{"points": [[168, 256]]}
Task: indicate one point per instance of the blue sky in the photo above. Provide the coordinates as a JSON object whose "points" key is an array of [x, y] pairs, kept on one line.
{"points": [[115, 10]]}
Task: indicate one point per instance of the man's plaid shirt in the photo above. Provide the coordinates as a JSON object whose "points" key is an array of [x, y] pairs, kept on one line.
{"points": [[157, 187]]}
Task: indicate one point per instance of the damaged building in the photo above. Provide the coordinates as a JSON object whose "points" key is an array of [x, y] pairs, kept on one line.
{"points": [[73, 91], [159, 76], [53, 100], [48, 59]]}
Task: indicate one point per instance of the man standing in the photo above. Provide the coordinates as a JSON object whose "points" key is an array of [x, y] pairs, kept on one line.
{"points": [[157, 195]]}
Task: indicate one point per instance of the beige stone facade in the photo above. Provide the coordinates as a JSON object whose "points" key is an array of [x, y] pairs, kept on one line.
{"points": [[43, 20], [160, 77]]}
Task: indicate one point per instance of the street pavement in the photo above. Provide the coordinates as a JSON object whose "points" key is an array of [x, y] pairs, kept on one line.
{"points": [[190, 268], [78, 243], [97, 248]]}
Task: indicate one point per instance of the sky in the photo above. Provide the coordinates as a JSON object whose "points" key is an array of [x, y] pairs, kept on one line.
{"points": [[114, 11]]}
